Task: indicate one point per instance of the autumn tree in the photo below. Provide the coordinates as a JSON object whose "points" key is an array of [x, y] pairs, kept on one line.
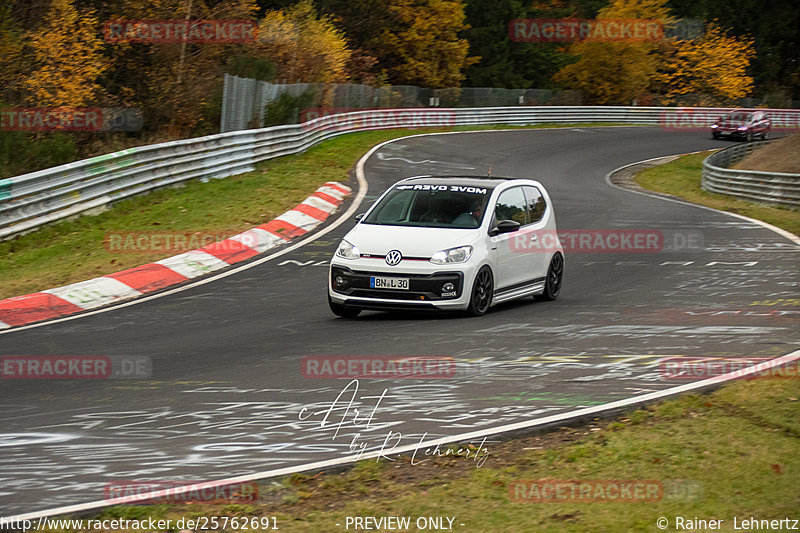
{"points": [[304, 45], [709, 71], [772, 24], [66, 58], [11, 63], [616, 72], [423, 46], [505, 63], [362, 21], [177, 83]]}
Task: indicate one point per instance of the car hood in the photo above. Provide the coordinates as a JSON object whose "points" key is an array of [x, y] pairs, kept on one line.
{"points": [[411, 241]]}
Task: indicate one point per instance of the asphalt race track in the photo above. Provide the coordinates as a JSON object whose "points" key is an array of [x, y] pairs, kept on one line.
{"points": [[226, 390]]}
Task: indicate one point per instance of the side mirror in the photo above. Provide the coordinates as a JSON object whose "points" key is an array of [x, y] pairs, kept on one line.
{"points": [[505, 226], [358, 217]]}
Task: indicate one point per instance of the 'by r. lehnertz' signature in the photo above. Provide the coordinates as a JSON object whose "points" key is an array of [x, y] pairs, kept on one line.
{"points": [[391, 443]]}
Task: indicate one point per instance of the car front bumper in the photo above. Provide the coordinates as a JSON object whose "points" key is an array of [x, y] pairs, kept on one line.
{"points": [[350, 284], [730, 132]]}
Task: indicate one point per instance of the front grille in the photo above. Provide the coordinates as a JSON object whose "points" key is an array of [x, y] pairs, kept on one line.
{"points": [[422, 287]]}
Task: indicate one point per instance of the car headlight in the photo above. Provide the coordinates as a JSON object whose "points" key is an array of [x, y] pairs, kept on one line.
{"points": [[348, 251], [715, 125], [452, 255], [742, 128]]}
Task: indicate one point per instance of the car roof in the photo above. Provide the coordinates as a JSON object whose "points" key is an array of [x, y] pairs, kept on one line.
{"points": [[472, 181]]}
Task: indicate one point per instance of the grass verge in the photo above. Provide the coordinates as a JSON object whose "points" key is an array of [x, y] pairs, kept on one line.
{"points": [[71, 251], [681, 178], [781, 155], [731, 453]]}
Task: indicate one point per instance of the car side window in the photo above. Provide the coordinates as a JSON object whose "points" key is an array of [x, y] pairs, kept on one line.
{"points": [[511, 206], [395, 209], [535, 203]]}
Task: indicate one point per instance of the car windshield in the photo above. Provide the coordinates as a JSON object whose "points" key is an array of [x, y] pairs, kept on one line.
{"points": [[738, 117], [432, 206]]}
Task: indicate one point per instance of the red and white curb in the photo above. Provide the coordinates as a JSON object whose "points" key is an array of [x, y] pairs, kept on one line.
{"points": [[133, 282]]}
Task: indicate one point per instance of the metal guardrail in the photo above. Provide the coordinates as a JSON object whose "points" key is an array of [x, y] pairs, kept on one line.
{"points": [[244, 99], [773, 188], [31, 200]]}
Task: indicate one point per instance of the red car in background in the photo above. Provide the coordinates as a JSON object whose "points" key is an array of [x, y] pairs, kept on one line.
{"points": [[742, 125]]}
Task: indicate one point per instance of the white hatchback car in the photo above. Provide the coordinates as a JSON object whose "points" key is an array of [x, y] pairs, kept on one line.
{"points": [[449, 243]]}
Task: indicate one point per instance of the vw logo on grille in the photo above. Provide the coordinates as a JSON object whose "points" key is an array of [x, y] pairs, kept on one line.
{"points": [[394, 257]]}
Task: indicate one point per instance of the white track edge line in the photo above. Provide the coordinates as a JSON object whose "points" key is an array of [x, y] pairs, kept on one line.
{"points": [[780, 231], [421, 445]]}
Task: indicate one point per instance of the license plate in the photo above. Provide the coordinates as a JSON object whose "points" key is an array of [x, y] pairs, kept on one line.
{"points": [[379, 282]]}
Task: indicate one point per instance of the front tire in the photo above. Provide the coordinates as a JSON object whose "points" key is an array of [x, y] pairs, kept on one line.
{"points": [[555, 277], [482, 291], [342, 311]]}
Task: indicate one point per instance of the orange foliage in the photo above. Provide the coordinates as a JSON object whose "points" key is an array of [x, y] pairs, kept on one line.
{"points": [[425, 48], [66, 58], [714, 68], [616, 72], [306, 47]]}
